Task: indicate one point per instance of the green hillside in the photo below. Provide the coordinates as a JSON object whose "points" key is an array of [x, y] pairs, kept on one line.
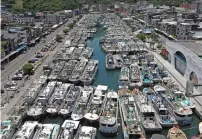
{"points": [[55, 5]]}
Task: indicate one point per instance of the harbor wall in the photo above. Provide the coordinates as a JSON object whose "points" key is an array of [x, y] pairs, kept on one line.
{"points": [[193, 62]]}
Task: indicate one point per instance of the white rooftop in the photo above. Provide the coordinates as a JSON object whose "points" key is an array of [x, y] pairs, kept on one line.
{"points": [[26, 130], [76, 123], [102, 87]]}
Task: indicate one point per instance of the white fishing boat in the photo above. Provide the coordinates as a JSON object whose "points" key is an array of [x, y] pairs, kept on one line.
{"points": [[45, 95], [97, 104], [47, 131], [69, 128], [108, 119], [57, 98], [86, 132], [34, 90], [135, 75], [182, 114], [89, 72], [110, 64], [125, 74], [82, 103], [27, 130], [130, 117], [69, 101], [118, 61], [78, 71], [67, 70], [149, 117], [87, 53], [36, 111]]}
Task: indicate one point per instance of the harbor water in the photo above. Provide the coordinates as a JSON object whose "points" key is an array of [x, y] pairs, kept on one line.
{"points": [[110, 78]]}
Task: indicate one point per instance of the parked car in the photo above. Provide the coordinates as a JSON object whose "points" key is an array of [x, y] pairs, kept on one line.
{"points": [[17, 77], [9, 84], [33, 60], [12, 88]]}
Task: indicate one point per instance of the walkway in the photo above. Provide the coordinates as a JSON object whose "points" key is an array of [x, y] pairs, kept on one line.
{"points": [[181, 81]]}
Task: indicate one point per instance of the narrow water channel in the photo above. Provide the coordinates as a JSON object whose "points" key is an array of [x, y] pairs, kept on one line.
{"points": [[110, 78], [104, 77]]}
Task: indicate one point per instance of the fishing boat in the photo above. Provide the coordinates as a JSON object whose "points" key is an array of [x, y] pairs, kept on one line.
{"points": [[47, 131], [158, 136], [27, 130], [108, 119], [149, 117], [200, 127], [86, 132], [147, 78], [69, 101], [110, 64], [156, 77], [176, 133], [87, 53], [183, 115], [161, 71], [125, 74], [69, 128], [57, 99], [77, 53], [89, 72], [82, 103], [97, 104], [56, 71], [182, 99], [78, 71], [118, 61], [135, 73], [37, 109], [34, 90], [131, 120], [8, 129], [67, 70], [167, 119]]}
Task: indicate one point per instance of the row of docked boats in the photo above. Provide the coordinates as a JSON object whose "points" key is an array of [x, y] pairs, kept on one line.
{"points": [[73, 53], [70, 129], [74, 71]]}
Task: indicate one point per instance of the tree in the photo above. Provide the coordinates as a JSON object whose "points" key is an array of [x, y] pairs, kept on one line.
{"points": [[71, 25], [28, 68], [58, 38], [141, 37], [66, 30]]}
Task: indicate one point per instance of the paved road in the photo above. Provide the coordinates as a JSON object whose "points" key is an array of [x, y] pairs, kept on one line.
{"points": [[18, 97], [14, 65], [17, 63]]}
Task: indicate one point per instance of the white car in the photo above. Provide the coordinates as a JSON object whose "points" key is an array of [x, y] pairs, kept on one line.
{"points": [[12, 88]]}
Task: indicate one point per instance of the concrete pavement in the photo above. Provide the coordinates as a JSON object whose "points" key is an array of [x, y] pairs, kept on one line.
{"points": [[14, 65], [181, 82], [7, 110]]}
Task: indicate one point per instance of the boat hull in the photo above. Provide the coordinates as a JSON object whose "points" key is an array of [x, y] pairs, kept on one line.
{"points": [[76, 117], [109, 131], [91, 118]]}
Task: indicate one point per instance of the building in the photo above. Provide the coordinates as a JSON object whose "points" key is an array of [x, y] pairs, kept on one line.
{"points": [[183, 31], [186, 58], [25, 19]]}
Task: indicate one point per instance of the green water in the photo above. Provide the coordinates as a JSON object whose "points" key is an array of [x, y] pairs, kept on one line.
{"points": [[110, 78]]}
